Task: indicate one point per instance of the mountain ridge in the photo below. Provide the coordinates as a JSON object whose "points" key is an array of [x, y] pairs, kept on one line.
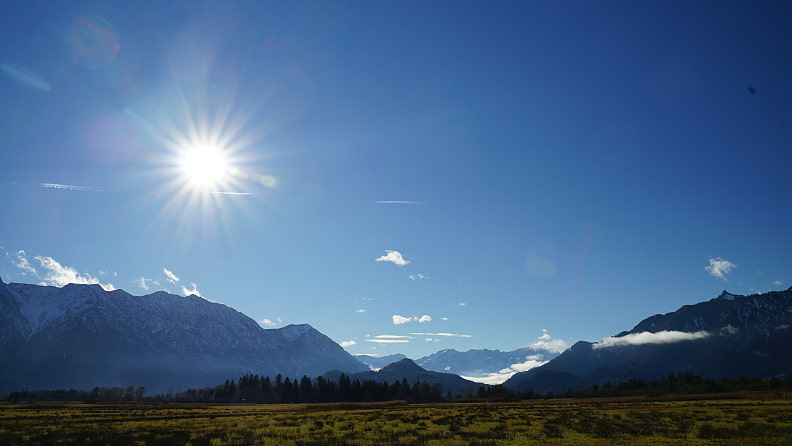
{"points": [[93, 337], [726, 337]]}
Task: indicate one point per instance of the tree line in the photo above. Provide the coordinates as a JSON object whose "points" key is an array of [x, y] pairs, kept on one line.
{"points": [[256, 389]]}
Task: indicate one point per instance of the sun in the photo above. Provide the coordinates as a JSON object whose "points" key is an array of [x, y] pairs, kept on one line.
{"points": [[204, 166]]}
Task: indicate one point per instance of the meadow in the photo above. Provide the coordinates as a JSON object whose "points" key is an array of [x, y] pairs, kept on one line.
{"points": [[562, 422]]}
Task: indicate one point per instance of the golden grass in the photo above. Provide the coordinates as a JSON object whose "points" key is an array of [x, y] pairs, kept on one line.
{"points": [[562, 422]]}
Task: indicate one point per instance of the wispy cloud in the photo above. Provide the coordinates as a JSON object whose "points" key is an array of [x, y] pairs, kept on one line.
{"points": [[143, 282], [646, 337], [417, 277], [194, 291], [399, 202], [390, 339], [719, 267], [70, 187], [394, 257], [170, 276], [231, 193], [346, 344], [400, 320], [22, 263], [55, 274], [451, 335]]}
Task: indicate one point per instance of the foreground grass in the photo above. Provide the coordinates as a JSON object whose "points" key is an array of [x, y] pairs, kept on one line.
{"points": [[585, 422]]}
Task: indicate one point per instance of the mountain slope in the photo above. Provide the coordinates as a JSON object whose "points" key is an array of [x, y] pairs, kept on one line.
{"points": [[378, 362], [407, 368], [83, 336], [726, 337]]}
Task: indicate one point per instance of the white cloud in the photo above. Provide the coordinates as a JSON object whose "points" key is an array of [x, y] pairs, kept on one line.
{"points": [[646, 337], [394, 257], [400, 320], [60, 275], [444, 318], [390, 339], [778, 283], [417, 277], [360, 311], [194, 291], [452, 335], [719, 267], [546, 342], [346, 344], [502, 375], [23, 264], [461, 304], [267, 322], [171, 277]]}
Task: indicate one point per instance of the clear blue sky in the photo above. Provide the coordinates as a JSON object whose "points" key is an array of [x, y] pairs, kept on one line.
{"points": [[568, 166]]}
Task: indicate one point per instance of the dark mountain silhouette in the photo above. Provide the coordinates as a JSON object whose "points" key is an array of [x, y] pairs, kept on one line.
{"points": [[408, 369], [730, 336], [81, 336]]}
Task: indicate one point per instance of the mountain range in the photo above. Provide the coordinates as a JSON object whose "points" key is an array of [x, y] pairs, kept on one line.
{"points": [[81, 336], [730, 336], [479, 365]]}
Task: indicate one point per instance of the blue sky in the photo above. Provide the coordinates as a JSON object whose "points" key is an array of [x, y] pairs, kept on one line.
{"points": [[523, 171]]}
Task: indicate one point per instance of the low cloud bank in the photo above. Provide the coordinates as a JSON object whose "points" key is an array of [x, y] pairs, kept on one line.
{"points": [[646, 337]]}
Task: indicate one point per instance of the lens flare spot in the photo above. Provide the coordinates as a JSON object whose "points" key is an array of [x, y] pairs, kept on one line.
{"points": [[268, 181], [92, 42]]}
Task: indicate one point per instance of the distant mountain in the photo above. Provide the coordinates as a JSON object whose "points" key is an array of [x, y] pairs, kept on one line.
{"points": [[82, 336], [378, 362], [480, 363], [730, 336], [407, 368]]}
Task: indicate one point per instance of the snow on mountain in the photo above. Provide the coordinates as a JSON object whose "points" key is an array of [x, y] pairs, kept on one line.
{"points": [[83, 336], [486, 366]]}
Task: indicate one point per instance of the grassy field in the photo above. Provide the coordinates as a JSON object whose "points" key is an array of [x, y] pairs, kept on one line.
{"points": [[583, 422]]}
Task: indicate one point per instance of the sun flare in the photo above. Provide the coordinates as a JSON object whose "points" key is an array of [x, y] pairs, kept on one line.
{"points": [[204, 166]]}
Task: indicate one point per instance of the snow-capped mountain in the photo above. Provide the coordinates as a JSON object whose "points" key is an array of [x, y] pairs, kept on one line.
{"points": [[730, 336], [82, 336], [484, 362], [482, 366]]}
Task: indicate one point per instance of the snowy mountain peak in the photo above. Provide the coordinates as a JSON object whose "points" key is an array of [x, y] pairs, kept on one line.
{"points": [[82, 336]]}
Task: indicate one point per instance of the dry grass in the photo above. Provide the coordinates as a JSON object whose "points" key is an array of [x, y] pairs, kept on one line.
{"points": [[584, 422]]}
